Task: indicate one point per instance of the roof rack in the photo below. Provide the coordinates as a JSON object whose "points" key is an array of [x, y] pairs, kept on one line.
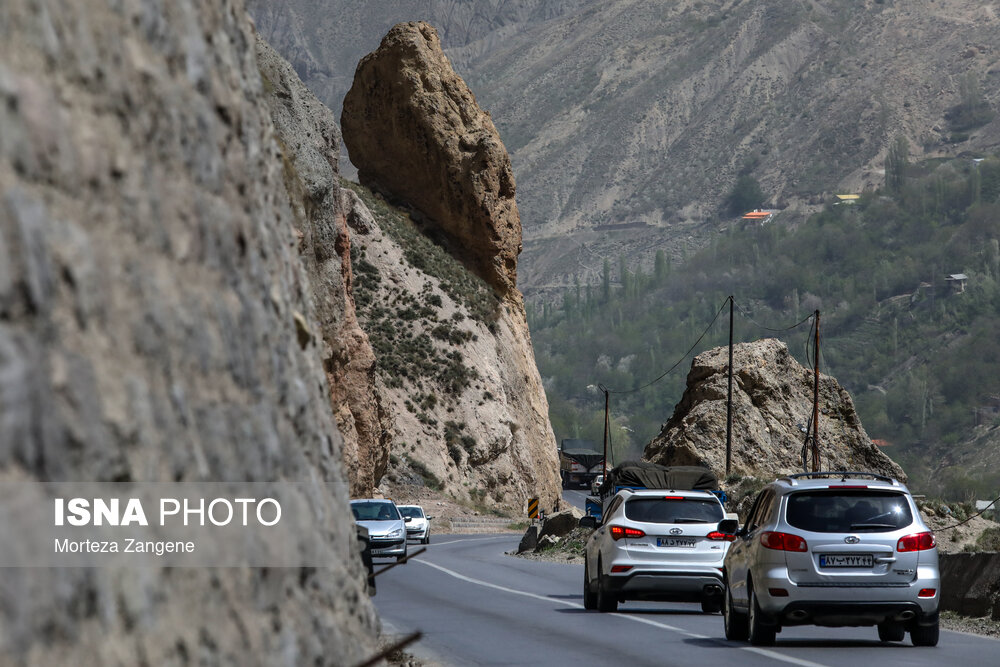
{"points": [[843, 474]]}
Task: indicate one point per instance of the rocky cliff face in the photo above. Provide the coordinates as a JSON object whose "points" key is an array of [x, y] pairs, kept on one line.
{"points": [[772, 395], [415, 133], [161, 319], [309, 140], [472, 417]]}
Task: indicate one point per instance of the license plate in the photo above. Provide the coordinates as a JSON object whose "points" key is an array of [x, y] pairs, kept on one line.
{"points": [[859, 560], [378, 552], [674, 542]]}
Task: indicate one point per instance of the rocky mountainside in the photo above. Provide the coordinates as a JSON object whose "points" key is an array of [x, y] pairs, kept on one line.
{"points": [[445, 316], [772, 393], [156, 305], [629, 122]]}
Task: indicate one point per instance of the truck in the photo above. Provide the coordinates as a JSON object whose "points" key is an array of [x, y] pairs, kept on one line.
{"points": [[579, 462]]}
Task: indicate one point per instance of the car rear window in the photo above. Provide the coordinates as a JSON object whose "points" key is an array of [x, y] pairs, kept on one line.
{"points": [[660, 510], [836, 511], [374, 511]]}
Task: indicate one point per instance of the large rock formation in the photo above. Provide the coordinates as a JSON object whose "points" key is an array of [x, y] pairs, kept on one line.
{"points": [[772, 396], [414, 131], [157, 323], [309, 139]]}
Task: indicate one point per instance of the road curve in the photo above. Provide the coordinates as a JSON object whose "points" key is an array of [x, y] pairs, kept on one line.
{"points": [[478, 606]]}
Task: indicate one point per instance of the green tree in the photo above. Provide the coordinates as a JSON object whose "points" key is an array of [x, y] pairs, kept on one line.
{"points": [[746, 195], [896, 162]]}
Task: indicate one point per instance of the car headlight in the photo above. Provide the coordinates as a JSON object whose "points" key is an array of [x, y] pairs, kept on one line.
{"points": [[395, 533]]}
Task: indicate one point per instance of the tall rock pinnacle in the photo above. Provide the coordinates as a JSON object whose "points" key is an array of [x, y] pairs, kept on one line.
{"points": [[416, 134]]}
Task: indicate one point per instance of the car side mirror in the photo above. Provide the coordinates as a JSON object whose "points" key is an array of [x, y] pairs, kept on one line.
{"points": [[428, 517], [588, 522], [729, 527], [407, 519]]}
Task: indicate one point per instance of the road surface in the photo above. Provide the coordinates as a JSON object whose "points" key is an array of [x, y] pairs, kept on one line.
{"points": [[576, 497], [478, 606]]}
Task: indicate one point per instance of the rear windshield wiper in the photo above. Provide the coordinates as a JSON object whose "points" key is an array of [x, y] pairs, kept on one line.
{"points": [[689, 520], [859, 526]]}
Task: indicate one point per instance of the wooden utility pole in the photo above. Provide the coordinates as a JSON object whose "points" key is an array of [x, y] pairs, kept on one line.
{"points": [[815, 444], [729, 395], [607, 412]]}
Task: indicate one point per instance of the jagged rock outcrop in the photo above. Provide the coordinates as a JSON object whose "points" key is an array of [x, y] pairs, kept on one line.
{"points": [[416, 134], [470, 413], [772, 395], [157, 323], [309, 139]]}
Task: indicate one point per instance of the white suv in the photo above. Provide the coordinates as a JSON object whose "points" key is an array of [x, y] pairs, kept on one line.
{"points": [[833, 549], [656, 544]]}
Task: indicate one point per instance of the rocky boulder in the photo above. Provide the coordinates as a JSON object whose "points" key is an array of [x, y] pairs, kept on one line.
{"points": [[561, 524], [416, 134], [772, 396]]}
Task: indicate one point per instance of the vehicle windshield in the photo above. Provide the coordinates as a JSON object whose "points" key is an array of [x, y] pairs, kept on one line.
{"points": [[411, 512], [661, 510], [374, 511], [837, 511]]}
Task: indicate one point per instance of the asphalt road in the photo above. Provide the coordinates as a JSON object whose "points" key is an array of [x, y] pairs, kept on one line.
{"points": [[478, 606], [576, 497]]}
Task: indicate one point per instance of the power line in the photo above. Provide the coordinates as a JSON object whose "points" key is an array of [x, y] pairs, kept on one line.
{"points": [[678, 363], [747, 315]]}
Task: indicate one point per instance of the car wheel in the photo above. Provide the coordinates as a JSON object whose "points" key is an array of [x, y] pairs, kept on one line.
{"points": [[427, 539], [735, 622], [400, 559], [891, 631], [761, 634], [925, 635], [589, 597], [606, 602]]}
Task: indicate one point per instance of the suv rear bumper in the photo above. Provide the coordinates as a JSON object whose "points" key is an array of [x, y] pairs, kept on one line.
{"points": [[839, 614], [673, 586]]}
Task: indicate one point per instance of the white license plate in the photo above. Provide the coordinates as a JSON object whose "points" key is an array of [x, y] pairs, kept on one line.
{"points": [[378, 552], [836, 560], [674, 542]]}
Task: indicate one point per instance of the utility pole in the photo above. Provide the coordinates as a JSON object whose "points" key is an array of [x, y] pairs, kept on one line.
{"points": [[607, 411], [815, 445], [729, 396]]}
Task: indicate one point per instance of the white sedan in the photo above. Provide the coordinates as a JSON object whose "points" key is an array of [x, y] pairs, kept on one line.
{"points": [[418, 525]]}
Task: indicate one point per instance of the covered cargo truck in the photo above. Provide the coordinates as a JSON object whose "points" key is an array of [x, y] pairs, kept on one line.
{"points": [[645, 475], [579, 462]]}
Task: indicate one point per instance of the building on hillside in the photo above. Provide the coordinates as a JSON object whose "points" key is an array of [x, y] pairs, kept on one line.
{"points": [[847, 199], [758, 217], [957, 282]]}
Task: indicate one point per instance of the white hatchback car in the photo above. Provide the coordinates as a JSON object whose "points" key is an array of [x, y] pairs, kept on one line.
{"points": [[418, 525], [656, 544]]}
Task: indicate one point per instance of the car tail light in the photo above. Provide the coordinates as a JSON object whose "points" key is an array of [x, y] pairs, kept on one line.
{"points": [[848, 486], [618, 532], [620, 568], [782, 541], [916, 542], [673, 497], [927, 593], [716, 535]]}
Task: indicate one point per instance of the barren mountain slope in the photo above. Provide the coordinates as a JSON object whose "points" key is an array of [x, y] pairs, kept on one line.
{"points": [[646, 112]]}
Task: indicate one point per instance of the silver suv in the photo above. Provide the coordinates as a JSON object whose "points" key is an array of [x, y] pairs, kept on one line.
{"points": [[655, 544], [833, 549]]}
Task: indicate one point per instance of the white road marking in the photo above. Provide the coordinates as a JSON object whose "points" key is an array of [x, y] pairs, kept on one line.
{"points": [[475, 539], [638, 619]]}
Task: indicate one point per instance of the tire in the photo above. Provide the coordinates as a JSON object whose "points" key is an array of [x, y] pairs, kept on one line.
{"points": [[891, 631], [760, 633], [735, 622], [400, 559], [606, 602], [712, 605], [589, 597], [427, 539], [925, 635]]}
